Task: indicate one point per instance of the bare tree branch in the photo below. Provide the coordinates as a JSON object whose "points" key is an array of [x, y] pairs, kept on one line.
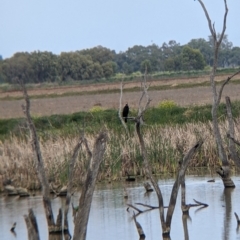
{"points": [[38, 159], [224, 84], [179, 179], [224, 172], [70, 179], [211, 28], [139, 228]]}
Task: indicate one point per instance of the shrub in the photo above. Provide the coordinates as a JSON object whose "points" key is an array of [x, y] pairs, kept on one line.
{"points": [[167, 104], [96, 109]]}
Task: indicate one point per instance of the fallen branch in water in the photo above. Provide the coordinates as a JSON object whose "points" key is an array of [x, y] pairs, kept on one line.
{"points": [[139, 228], [238, 221]]}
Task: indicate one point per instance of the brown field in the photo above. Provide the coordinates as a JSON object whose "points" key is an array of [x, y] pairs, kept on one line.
{"points": [[70, 104]]}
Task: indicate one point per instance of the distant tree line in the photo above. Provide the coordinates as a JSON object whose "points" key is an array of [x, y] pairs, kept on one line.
{"points": [[100, 62]]}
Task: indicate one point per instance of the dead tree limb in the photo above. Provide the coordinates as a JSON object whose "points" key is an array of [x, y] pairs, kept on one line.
{"points": [[13, 227], [166, 225], [237, 218], [200, 203], [148, 206], [179, 180], [139, 228], [70, 180], [135, 208], [225, 169], [234, 140], [85, 200], [31, 222], [38, 160]]}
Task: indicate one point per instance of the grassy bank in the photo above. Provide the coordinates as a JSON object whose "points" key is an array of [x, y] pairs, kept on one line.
{"points": [[165, 146], [169, 132], [166, 113]]}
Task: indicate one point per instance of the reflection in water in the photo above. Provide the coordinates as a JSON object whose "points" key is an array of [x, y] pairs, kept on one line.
{"points": [[185, 217], [109, 218], [226, 198]]}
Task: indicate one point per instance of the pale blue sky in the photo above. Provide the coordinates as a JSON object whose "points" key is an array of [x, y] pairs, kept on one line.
{"points": [[70, 25]]}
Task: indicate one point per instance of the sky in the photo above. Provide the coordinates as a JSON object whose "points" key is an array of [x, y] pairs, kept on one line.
{"points": [[70, 25]]}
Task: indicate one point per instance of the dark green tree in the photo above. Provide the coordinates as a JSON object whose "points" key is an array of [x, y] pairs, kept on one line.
{"points": [[99, 54], [235, 57], [192, 59], [17, 67], [204, 47], [44, 65], [108, 69]]}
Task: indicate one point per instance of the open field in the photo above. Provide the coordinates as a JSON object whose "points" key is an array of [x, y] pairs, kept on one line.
{"points": [[65, 104]]}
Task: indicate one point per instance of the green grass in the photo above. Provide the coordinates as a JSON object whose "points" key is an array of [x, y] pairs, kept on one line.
{"points": [[93, 121]]}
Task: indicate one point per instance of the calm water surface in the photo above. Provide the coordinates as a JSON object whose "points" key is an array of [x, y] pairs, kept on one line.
{"points": [[109, 219]]}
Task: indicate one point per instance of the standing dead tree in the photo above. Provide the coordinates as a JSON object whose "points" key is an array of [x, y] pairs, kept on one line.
{"points": [[85, 200], [52, 227], [165, 223], [224, 172], [70, 177]]}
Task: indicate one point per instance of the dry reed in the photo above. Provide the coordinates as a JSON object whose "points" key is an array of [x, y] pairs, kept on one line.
{"points": [[165, 145]]}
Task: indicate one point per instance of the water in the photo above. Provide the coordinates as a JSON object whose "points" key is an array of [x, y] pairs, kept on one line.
{"points": [[110, 220]]}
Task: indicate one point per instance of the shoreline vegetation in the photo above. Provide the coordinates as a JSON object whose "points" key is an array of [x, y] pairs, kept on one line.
{"points": [[169, 132]]}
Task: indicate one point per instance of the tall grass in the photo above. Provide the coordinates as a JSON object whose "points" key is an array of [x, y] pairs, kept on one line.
{"points": [[169, 132], [93, 121], [165, 145]]}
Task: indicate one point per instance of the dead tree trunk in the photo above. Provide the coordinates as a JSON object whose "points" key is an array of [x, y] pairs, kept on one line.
{"points": [[70, 180], [39, 162], [85, 200], [225, 169], [53, 228], [166, 225], [32, 227]]}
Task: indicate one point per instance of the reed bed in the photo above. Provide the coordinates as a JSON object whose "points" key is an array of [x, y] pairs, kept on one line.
{"points": [[166, 145]]}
